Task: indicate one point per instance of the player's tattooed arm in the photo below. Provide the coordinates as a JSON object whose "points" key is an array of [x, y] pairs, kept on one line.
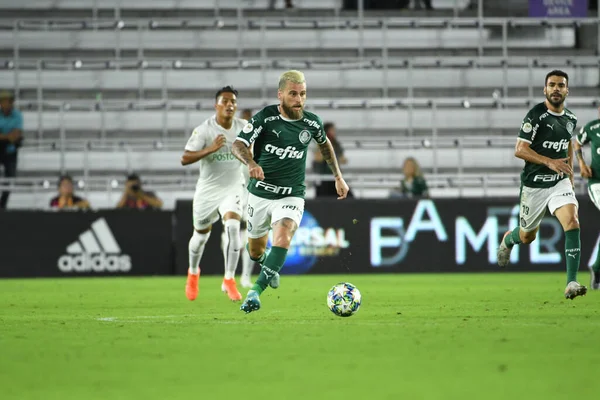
{"points": [[329, 157], [243, 153], [328, 154]]}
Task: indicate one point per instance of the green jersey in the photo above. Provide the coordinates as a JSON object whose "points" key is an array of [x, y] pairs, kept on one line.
{"points": [[549, 135], [591, 134], [280, 148]]}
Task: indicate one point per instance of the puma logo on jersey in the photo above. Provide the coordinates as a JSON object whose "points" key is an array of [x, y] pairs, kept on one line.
{"points": [[550, 126], [276, 133], [558, 146], [288, 152]]}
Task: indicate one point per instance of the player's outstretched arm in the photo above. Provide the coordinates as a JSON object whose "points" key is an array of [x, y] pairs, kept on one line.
{"points": [[558, 165], [328, 154], [190, 157], [586, 171]]}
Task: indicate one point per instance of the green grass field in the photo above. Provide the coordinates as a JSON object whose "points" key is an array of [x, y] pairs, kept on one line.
{"points": [[486, 336]]}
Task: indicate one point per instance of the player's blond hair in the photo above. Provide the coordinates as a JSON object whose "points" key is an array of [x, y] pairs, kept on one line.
{"points": [[291, 76]]}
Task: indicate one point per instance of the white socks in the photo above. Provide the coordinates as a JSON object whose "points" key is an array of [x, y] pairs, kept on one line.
{"points": [[196, 248], [233, 243], [247, 263]]}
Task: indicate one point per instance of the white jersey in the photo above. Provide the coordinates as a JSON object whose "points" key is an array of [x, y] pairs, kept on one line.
{"points": [[220, 169]]}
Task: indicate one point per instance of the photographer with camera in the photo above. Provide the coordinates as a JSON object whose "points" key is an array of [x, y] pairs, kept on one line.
{"points": [[134, 197]]}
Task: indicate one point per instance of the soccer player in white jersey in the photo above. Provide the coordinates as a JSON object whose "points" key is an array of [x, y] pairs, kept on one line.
{"points": [[220, 189], [247, 263]]}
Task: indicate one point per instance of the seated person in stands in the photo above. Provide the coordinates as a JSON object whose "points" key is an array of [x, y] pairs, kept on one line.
{"points": [[134, 197], [66, 199], [413, 184]]}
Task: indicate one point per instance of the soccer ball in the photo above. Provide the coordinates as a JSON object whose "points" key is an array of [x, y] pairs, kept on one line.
{"points": [[344, 299]]}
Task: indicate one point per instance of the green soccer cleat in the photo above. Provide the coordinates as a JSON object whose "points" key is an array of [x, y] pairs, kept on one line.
{"points": [[252, 302]]}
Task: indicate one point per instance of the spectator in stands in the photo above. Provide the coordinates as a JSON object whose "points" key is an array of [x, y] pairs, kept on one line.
{"points": [[288, 4], [327, 188], [134, 197], [66, 199], [11, 135], [413, 184], [246, 114]]}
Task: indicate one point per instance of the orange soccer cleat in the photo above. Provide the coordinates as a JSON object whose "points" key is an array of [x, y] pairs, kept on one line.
{"points": [[230, 287], [191, 286]]}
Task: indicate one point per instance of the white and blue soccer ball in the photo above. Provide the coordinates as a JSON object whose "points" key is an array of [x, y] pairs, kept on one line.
{"points": [[344, 299]]}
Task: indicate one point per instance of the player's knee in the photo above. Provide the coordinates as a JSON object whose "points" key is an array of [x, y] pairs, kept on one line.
{"points": [[283, 240], [572, 223], [256, 253], [198, 240], [528, 237]]}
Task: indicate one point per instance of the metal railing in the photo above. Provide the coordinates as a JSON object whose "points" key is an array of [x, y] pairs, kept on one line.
{"points": [[164, 106], [458, 185], [128, 150]]}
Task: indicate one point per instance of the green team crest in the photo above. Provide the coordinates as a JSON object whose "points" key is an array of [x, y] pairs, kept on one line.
{"points": [[304, 136], [570, 127]]}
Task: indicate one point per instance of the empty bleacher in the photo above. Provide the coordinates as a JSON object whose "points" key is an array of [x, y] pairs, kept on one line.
{"points": [[110, 86]]}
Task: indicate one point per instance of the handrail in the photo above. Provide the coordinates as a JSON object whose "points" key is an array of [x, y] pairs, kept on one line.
{"points": [[364, 143], [186, 181], [287, 21]]}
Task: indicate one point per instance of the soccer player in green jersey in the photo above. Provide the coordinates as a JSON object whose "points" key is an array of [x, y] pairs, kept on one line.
{"points": [[590, 133], [281, 134], [544, 143]]}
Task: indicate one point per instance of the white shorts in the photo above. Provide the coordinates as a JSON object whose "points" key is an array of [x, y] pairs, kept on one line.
{"points": [[209, 204], [535, 201], [262, 213], [594, 193]]}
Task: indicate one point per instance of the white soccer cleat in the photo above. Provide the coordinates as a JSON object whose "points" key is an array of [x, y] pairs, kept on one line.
{"points": [[246, 282], [574, 289], [275, 281], [504, 252]]}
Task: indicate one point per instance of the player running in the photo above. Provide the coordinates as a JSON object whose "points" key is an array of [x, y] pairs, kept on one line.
{"points": [[590, 133], [544, 143], [220, 189], [247, 263], [281, 135]]}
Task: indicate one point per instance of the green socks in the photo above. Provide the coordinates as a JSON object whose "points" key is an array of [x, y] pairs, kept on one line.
{"points": [[513, 238], [573, 253], [596, 266], [270, 267]]}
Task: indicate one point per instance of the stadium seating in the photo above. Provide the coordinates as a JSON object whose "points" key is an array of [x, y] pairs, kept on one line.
{"points": [[111, 86]]}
